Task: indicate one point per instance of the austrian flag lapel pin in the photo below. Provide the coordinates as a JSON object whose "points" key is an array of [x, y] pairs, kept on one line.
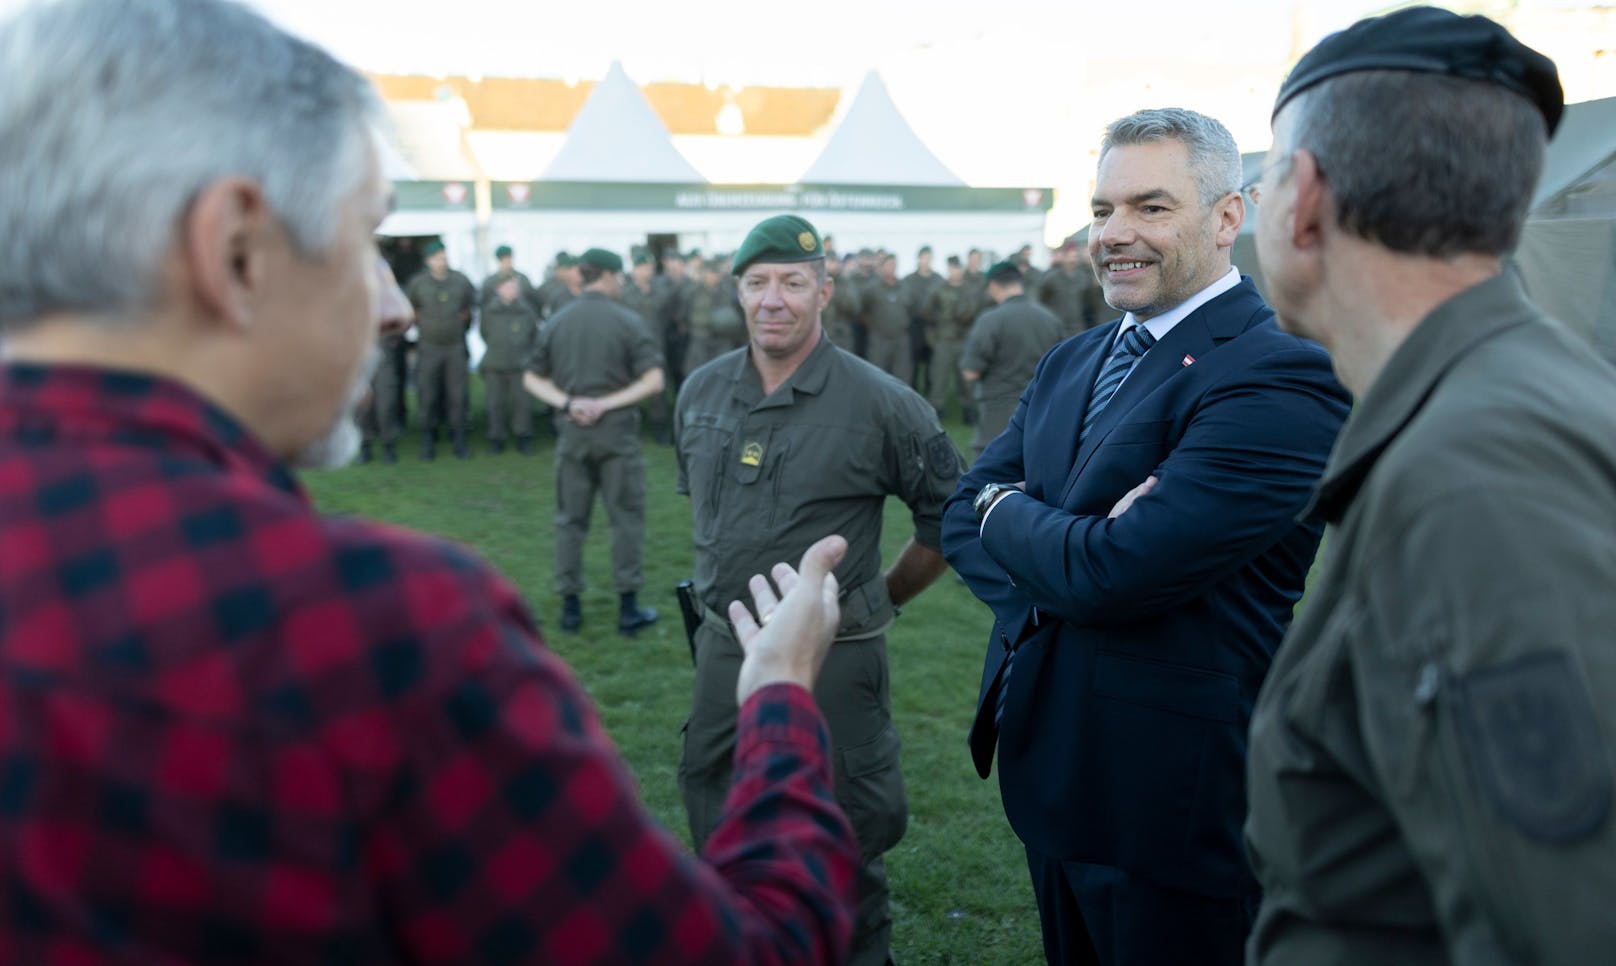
{"points": [[1189, 360]]}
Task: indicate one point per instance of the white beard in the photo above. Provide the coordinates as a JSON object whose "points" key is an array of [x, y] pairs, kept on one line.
{"points": [[340, 444]]}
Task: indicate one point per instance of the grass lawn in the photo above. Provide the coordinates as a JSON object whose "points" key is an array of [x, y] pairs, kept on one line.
{"points": [[959, 881]]}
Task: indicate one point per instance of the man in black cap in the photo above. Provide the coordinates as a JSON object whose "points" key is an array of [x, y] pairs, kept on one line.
{"points": [[1002, 351], [443, 300], [780, 443], [1431, 765], [594, 362], [1133, 531]]}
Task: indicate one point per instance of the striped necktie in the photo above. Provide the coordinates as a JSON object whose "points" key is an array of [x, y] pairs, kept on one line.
{"points": [[1135, 341]]}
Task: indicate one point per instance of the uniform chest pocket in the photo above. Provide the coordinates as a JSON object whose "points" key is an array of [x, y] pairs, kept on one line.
{"points": [[754, 457]]}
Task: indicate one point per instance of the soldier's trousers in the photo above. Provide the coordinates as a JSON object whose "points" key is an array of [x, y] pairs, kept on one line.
{"points": [[855, 695], [945, 378], [440, 380], [993, 415], [604, 459], [382, 416], [893, 353], [509, 405]]}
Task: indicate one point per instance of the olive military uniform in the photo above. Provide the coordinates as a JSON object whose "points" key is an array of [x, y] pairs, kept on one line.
{"points": [[381, 415], [840, 313], [1066, 294], [767, 477], [951, 310], [716, 325], [509, 330], [443, 310], [885, 314], [917, 290], [594, 347], [1004, 346], [525, 290], [1431, 770]]}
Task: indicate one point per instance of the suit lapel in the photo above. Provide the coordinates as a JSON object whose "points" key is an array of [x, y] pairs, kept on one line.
{"points": [[1191, 339], [1083, 372]]}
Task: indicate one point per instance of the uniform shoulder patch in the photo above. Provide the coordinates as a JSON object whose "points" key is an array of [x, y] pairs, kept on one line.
{"points": [[1532, 738], [942, 459]]}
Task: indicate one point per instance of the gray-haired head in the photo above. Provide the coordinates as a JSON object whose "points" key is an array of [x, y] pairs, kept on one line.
{"points": [[1213, 154], [114, 114]]}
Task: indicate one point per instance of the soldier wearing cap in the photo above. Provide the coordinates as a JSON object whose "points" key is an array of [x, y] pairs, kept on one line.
{"points": [[841, 311], [1063, 289], [1003, 350], [950, 311], [443, 300], [1433, 753], [714, 318], [594, 362], [918, 286], [885, 314], [509, 325], [561, 287], [780, 443], [505, 267]]}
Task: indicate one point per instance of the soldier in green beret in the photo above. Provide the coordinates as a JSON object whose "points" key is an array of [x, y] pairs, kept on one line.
{"points": [[781, 442], [594, 362], [505, 268], [509, 326], [561, 287], [443, 300]]}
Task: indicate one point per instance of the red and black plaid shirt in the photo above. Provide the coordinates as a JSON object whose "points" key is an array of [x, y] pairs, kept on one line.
{"points": [[232, 730]]}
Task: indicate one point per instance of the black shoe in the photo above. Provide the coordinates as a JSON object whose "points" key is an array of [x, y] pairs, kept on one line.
{"points": [[364, 452], [460, 450], [572, 614], [389, 453], [496, 446], [524, 445], [631, 617]]}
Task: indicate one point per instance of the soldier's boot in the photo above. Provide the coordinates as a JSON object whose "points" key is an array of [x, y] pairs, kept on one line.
{"points": [[631, 617], [496, 446], [524, 445], [572, 614], [389, 453], [460, 450], [429, 446], [364, 451]]}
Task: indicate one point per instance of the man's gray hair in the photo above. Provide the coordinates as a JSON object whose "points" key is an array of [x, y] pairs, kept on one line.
{"points": [[1214, 157], [1421, 163], [115, 114]]}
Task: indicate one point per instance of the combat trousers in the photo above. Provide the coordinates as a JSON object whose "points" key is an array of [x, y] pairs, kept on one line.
{"points": [[894, 354], [604, 459], [854, 694], [440, 380], [993, 415], [382, 415], [509, 405], [945, 377]]}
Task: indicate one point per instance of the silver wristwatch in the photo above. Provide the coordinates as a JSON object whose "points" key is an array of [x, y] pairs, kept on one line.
{"points": [[986, 496]]}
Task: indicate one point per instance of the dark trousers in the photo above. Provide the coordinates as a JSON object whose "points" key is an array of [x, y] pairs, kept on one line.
{"points": [[1097, 914]]}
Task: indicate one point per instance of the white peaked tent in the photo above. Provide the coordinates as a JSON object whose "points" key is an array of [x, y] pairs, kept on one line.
{"points": [[875, 145], [618, 137]]}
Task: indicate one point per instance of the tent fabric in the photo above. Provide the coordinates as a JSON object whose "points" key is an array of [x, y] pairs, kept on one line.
{"points": [[875, 145], [1568, 266], [427, 136], [618, 137], [1585, 142]]}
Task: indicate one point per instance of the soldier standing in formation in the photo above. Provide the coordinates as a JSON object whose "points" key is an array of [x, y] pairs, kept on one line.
{"points": [[1003, 350], [951, 310], [443, 300], [917, 288], [1063, 288], [509, 326], [507, 269], [594, 362], [841, 310], [886, 319], [779, 444], [561, 287], [715, 320]]}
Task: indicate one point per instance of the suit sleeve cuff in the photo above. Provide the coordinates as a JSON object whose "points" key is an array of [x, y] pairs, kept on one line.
{"points": [[1008, 494]]}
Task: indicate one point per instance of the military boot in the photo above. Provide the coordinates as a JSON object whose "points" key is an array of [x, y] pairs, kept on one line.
{"points": [[572, 614], [631, 617], [460, 449]]}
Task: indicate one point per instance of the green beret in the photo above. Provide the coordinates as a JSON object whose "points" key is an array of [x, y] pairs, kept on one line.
{"points": [[564, 260], [1004, 272], [781, 239], [1432, 41], [503, 251], [431, 248], [602, 259], [642, 258]]}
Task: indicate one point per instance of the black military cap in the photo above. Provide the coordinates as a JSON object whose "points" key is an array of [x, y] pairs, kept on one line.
{"points": [[1432, 41], [602, 259], [503, 251], [783, 238], [1004, 272], [431, 248]]}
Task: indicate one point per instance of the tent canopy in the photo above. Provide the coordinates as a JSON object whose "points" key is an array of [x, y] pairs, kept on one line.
{"points": [[1584, 145], [618, 137], [875, 145]]}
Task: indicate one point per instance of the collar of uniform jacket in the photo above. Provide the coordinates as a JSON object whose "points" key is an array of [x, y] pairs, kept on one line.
{"points": [[126, 408], [1396, 396], [809, 378]]}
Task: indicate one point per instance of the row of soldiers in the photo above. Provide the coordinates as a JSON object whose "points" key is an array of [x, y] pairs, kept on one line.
{"points": [[916, 327]]}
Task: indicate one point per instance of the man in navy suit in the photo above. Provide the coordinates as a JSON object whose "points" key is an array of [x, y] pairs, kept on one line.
{"points": [[1135, 533]]}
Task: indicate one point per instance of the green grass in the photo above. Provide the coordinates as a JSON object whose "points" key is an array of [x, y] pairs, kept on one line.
{"points": [[959, 882]]}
